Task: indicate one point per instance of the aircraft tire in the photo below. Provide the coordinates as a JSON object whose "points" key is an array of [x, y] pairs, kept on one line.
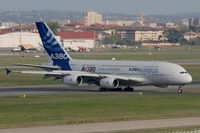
{"points": [[118, 89], [101, 89], [128, 89], [180, 91]]}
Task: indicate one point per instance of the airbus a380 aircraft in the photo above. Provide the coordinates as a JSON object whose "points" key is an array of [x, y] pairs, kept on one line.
{"points": [[105, 73]]}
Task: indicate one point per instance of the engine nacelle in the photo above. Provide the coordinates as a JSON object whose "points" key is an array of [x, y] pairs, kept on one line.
{"points": [[109, 83], [72, 80]]}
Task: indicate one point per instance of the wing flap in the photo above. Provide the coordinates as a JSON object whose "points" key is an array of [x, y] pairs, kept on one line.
{"points": [[41, 72]]}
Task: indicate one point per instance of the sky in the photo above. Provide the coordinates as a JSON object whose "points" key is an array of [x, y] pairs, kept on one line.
{"points": [[106, 6]]}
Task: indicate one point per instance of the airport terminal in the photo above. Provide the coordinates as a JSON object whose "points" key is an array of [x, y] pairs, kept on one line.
{"points": [[99, 72]]}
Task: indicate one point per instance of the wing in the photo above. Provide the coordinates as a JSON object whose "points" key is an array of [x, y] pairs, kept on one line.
{"points": [[45, 67], [89, 77]]}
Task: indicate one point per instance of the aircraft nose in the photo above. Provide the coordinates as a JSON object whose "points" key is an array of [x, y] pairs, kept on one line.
{"points": [[189, 78]]}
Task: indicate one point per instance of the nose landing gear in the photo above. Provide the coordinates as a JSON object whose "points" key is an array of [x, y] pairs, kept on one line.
{"points": [[179, 89]]}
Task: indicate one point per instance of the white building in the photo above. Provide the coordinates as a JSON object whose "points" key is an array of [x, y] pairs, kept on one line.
{"points": [[5, 25], [153, 25], [185, 22], [76, 40], [190, 35], [14, 39], [91, 17], [170, 25], [120, 22], [147, 35]]}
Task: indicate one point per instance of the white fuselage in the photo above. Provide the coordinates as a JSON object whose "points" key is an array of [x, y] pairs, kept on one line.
{"points": [[152, 72], [105, 73]]}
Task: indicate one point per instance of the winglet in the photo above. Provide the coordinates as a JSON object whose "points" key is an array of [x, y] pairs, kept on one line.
{"points": [[8, 71]]}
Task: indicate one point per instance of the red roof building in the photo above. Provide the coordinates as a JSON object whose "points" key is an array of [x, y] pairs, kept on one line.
{"points": [[77, 40], [77, 35]]}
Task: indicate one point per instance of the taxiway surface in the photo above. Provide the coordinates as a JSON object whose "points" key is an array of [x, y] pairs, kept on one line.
{"points": [[109, 126], [60, 89]]}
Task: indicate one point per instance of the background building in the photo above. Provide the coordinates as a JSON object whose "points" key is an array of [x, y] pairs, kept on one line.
{"points": [[170, 25], [140, 34], [190, 35], [185, 22], [14, 39], [153, 25], [149, 35], [76, 40], [126, 33], [91, 17], [140, 18], [120, 22], [4, 25], [194, 22]]}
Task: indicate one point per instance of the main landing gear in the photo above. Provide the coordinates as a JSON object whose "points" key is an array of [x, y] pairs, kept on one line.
{"points": [[126, 89], [129, 89], [179, 89]]}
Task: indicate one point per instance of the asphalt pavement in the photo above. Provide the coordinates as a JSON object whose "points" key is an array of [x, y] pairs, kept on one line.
{"points": [[60, 89], [109, 126]]}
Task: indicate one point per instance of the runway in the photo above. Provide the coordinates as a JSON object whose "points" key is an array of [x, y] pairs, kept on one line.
{"points": [[109, 126], [97, 127], [60, 89], [46, 89]]}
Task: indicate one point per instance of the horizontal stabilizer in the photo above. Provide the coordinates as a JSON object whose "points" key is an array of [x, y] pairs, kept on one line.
{"points": [[8, 71]]}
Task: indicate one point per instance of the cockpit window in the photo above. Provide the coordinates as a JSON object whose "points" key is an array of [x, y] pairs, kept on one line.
{"points": [[183, 72]]}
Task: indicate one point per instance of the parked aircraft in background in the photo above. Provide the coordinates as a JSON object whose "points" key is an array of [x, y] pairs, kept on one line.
{"points": [[24, 48], [107, 74], [77, 49], [115, 46]]}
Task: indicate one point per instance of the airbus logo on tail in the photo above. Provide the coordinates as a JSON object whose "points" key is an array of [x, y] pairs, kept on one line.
{"points": [[59, 56]]}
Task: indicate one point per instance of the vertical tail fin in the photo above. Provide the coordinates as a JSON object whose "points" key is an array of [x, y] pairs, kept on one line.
{"points": [[52, 47]]}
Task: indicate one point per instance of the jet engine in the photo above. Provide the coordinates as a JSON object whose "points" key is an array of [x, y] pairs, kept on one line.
{"points": [[109, 83], [72, 80]]}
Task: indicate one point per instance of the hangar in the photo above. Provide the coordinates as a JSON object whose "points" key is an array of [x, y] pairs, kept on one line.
{"points": [[14, 39]]}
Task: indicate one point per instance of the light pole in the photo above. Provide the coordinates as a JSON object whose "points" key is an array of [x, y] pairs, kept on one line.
{"points": [[94, 41]]}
